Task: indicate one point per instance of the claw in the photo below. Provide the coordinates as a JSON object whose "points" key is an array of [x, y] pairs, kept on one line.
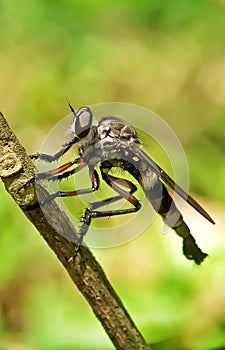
{"points": [[78, 244], [25, 184], [73, 257]]}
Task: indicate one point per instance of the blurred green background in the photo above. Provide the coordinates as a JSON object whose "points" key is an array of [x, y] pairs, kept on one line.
{"points": [[167, 56]]}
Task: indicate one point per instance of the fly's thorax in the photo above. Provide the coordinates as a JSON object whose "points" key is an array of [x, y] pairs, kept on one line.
{"points": [[116, 128], [102, 150], [110, 138]]}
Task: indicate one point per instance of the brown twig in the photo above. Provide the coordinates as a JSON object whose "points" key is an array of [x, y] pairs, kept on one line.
{"points": [[86, 273]]}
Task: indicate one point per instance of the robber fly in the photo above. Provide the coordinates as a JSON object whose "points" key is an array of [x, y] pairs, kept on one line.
{"points": [[113, 143]]}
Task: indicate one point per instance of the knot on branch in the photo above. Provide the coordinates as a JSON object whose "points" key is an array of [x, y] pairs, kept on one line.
{"points": [[10, 164]]}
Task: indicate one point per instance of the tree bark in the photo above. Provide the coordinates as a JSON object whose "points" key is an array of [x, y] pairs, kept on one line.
{"points": [[16, 168]]}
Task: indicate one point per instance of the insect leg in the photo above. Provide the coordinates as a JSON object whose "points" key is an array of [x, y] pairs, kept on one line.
{"points": [[60, 173], [95, 185], [90, 212], [51, 158], [52, 174], [123, 182], [165, 206], [111, 181]]}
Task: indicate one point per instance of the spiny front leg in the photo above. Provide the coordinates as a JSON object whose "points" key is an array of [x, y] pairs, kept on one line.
{"points": [[51, 158], [54, 173], [94, 182]]}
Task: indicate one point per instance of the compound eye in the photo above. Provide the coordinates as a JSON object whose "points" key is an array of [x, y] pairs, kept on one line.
{"points": [[83, 122]]}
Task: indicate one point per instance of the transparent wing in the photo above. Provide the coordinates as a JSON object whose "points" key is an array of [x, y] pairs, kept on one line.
{"points": [[167, 180]]}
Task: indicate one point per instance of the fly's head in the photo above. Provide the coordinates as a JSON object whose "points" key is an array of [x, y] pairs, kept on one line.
{"points": [[83, 128], [82, 121]]}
